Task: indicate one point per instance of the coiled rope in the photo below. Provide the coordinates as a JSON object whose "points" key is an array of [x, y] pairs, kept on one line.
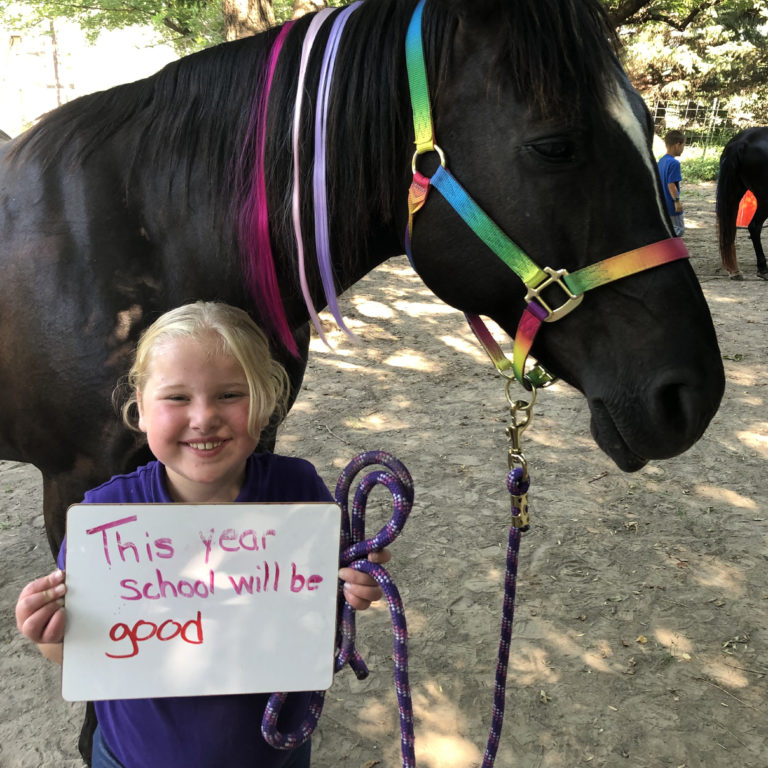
{"points": [[355, 548]]}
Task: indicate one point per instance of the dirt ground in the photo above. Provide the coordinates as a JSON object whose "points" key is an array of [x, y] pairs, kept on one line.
{"points": [[641, 627]]}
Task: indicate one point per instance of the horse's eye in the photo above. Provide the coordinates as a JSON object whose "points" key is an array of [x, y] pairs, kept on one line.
{"points": [[556, 150]]}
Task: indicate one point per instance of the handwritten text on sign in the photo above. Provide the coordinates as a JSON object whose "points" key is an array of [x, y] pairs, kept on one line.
{"points": [[187, 600]]}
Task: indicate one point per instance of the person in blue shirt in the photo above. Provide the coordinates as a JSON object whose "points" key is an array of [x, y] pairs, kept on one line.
{"points": [[202, 387], [671, 176]]}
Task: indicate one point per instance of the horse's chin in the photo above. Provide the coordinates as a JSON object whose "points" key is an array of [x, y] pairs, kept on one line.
{"points": [[611, 442]]}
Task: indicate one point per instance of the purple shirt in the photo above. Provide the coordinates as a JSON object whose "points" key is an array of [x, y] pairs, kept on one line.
{"points": [[203, 731]]}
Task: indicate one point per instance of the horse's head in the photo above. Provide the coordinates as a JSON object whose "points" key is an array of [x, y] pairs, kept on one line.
{"points": [[541, 127]]}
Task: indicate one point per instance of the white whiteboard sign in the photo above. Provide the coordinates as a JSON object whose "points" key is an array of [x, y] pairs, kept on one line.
{"points": [[188, 600]]}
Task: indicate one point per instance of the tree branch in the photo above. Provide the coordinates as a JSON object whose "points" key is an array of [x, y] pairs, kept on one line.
{"points": [[175, 27], [680, 24], [627, 9]]}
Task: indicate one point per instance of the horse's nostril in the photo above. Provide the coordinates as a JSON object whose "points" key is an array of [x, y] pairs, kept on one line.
{"points": [[659, 422], [669, 402], [681, 408]]}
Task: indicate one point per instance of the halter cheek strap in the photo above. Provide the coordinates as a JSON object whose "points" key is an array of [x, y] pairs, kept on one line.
{"points": [[536, 279]]}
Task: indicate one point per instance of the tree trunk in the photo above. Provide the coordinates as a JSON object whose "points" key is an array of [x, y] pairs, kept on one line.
{"points": [[55, 50], [301, 7], [246, 17]]}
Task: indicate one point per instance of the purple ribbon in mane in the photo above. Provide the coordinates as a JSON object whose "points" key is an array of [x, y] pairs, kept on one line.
{"points": [[322, 239]]}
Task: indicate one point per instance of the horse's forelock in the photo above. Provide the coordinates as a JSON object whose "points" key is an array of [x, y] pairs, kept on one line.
{"points": [[555, 54]]}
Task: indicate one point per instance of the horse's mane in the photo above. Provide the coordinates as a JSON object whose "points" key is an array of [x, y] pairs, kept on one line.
{"points": [[368, 120], [557, 55], [188, 111]]}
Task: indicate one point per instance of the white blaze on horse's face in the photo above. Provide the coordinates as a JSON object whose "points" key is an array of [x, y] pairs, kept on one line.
{"points": [[621, 110]]}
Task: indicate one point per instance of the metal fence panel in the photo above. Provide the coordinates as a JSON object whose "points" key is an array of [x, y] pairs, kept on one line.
{"points": [[704, 123]]}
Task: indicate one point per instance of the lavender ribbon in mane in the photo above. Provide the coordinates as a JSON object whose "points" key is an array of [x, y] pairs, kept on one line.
{"points": [[319, 173], [306, 49]]}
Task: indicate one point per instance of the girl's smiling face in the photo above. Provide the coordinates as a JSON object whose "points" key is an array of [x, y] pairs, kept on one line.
{"points": [[193, 407]]}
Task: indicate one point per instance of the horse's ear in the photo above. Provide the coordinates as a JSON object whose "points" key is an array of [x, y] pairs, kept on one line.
{"points": [[473, 12], [477, 22]]}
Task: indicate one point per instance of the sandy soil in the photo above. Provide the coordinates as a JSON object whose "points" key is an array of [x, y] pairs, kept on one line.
{"points": [[641, 628]]}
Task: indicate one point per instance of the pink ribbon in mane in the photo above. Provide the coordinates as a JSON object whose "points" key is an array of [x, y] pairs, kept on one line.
{"points": [[260, 274]]}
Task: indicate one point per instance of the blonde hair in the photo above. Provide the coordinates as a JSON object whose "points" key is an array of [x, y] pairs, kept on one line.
{"points": [[238, 336]]}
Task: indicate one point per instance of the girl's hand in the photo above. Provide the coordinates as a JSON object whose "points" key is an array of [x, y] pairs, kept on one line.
{"points": [[360, 589], [40, 609]]}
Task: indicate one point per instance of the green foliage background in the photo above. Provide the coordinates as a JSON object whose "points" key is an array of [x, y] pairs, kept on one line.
{"points": [[673, 49], [700, 50], [188, 24], [701, 167]]}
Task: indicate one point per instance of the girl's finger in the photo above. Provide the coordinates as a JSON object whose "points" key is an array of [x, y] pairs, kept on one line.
{"points": [[42, 625], [364, 593], [51, 581], [39, 593], [54, 629], [384, 556], [351, 576], [29, 604]]}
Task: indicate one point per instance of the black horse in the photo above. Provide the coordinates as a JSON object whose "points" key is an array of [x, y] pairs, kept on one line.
{"points": [[127, 202], [743, 166]]}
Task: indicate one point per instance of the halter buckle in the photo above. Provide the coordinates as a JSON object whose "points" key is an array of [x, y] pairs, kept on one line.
{"points": [[556, 277]]}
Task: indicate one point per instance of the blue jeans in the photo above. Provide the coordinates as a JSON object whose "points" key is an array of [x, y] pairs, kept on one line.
{"points": [[103, 758], [678, 224]]}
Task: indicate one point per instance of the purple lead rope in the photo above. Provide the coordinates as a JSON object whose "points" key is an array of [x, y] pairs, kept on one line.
{"points": [[517, 484], [355, 549]]}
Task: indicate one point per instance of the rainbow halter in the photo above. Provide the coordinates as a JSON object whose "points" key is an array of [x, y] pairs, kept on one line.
{"points": [[537, 311]]}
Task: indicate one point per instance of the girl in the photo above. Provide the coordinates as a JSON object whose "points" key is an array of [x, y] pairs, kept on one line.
{"points": [[202, 387]]}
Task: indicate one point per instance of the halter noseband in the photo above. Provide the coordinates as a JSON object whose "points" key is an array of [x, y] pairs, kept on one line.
{"points": [[537, 311]]}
